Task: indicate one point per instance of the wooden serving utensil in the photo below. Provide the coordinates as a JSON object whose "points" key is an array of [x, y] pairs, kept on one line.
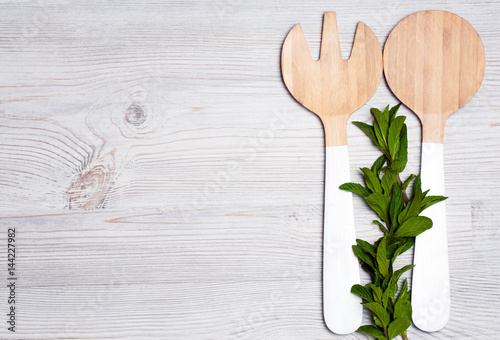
{"points": [[434, 63], [334, 88]]}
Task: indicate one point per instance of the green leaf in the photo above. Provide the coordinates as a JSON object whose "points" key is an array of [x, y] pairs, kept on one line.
{"points": [[399, 164], [396, 205], [417, 186], [407, 182], [368, 270], [362, 292], [402, 248], [379, 116], [385, 282], [364, 257], [380, 204], [369, 248], [392, 245], [371, 330], [381, 127], [393, 111], [388, 180], [413, 207], [378, 164], [385, 301], [404, 294], [397, 274], [377, 292], [355, 188], [382, 263], [408, 244], [397, 327], [381, 226], [368, 130], [379, 311], [394, 138], [402, 309], [372, 181], [390, 308], [391, 291], [388, 293], [413, 226], [430, 200]]}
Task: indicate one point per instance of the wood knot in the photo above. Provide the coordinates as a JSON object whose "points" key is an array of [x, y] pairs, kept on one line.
{"points": [[90, 190], [138, 116], [135, 114]]}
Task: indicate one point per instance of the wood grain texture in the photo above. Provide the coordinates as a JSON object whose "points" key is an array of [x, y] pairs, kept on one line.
{"points": [[434, 63], [165, 185], [331, 87]]}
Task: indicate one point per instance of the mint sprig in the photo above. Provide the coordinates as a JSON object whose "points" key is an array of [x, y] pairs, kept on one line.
{"points": [[399, 221]]}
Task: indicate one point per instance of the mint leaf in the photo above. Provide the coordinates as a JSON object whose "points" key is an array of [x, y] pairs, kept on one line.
{"points": [[385, 299], [397, 327], [381, 127], [388, 180], [402, 309], [397, 274], [362, 292], [371, 179], [399, 164], [379, 311], [380, 204], [364, 257], [355, 188], [413, 226], [381, 226], [404, 293], [417, 186], [394, 138], [430, 200], [382, 263], [368, 130], [407, 182], [396, 205], [378, 164], [377, 292], [392, 245], [366, 247], [371, 330], [393, 111], [402, 248], [414, 205]]}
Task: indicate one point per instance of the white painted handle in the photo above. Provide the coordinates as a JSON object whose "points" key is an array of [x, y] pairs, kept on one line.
{"points": [[431, 285], [343, 311]]}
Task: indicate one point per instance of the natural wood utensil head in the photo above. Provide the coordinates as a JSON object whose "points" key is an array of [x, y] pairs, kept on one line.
{"points": [[331, 87], [434, 63]]}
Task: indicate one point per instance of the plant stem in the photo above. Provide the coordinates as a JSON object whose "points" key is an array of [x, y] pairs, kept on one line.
{"points": [[404, 336]]}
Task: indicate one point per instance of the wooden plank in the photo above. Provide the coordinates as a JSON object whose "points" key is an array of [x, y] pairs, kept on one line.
{"points": [[166, 185]]}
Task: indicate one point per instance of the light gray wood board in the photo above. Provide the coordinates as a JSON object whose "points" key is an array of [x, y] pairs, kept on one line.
{"points": [[166, 185]]}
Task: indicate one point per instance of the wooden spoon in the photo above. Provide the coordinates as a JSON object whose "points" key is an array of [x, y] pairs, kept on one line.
{"points": [[334, 88], [434, 63]]}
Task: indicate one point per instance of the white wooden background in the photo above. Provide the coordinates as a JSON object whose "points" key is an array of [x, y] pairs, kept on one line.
{"points": [[164, 184]]}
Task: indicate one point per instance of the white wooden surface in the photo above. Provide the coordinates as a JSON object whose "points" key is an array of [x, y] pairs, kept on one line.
{"points": [[164, 184]]}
